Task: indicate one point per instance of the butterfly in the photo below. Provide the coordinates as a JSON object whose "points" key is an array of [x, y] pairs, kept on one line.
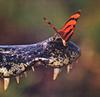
{"points": [[68, 29]]}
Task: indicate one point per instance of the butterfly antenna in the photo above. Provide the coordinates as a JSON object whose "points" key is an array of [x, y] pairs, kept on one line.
{"points": [[49, 23]]}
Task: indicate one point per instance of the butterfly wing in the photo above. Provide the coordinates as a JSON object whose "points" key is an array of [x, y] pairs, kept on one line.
{"points": [[67, 30]]}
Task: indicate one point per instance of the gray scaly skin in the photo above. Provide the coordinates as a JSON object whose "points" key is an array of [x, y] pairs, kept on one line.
{"points": [[16, 59]]}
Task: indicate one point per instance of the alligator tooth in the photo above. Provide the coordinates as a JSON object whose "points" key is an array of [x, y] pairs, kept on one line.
{"points": [[17, 79], [56, 72], [32, 68], [25, 73], [69, 67], [6, 83]]}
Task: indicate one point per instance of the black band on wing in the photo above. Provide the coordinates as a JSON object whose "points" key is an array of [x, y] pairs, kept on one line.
{"points": [[72, 19], [67, 33]]}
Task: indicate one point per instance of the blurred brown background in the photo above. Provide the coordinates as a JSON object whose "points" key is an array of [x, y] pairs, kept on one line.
{"points": [[21, 22]]}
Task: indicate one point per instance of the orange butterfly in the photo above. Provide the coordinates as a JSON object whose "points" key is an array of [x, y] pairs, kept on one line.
{"points": [[68, 29]]}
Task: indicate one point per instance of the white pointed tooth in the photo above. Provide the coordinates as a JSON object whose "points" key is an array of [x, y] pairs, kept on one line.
{"points": [[69, 67], [56, 72], [25, 73], [32, 68], [17, 79], [6, 83]]}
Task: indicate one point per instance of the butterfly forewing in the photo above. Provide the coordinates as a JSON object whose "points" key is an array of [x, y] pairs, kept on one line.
{"points": [[67, 30]]}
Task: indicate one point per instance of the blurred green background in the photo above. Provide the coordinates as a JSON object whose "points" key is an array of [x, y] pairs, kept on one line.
{"points": [[21, 22]]}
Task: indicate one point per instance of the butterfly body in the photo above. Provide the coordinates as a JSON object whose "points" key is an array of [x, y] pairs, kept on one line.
{"points": [[68, 29]]}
